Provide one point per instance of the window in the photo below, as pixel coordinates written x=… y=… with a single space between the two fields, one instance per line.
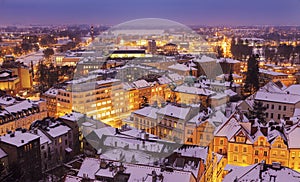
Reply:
x=236 y=148
x=284 y=108
x=255 y=160
x=244 y=149
x=278 y=117
x=271 y=115
x=272 y=107
x=256 y=152
x=267 y=115
x=279 y=107
x=265 y=153
x=59 y=140
x=267 y=106
x=221 y=142
x=279 y=145
x=244 y=159
x=261 y=143
x=293 y=154
x=190 y=140
x=235 y=158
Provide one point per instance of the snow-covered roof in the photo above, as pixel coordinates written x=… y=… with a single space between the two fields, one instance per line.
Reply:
x=4 y=74
x=58 y=130
x=175 y=77
x=230 y=93
x=7 y=100
x=70 y=178
x=217 y=117
x=255 y=173
x=148 y=112
x=51 y=92
x=194 y=152
x=174 y=111
x=33 y=57
x=226 y=76
x=23 y=105
x=293 y=89
x=271 y=87
x=91 y=168
x=227 y=60
x=181 y=67
x=18 y=138
x=164 y=80
x=74 y=116
x=270 y=72
x=219 y=96
x=228 y=128
x=141 y=84
x=204 y=59
x=233 y=125
x=193 y=90
x=293 y=137
x=277 y=97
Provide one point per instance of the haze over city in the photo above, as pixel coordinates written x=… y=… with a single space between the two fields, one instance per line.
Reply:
x=189 y=12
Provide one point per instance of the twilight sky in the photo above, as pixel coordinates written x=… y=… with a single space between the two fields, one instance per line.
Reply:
x=200 y=12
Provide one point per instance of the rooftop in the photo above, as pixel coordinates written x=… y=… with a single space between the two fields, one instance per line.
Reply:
x=193 y=90
x=277 y=97
x=18 y=138
x=261 y=172
x=56 y=130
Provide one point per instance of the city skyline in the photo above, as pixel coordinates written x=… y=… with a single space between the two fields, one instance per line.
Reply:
x=191 y=12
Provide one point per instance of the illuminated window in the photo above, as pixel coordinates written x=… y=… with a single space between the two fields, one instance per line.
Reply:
x=265 y=153
x=244 y=159
x=59 y=140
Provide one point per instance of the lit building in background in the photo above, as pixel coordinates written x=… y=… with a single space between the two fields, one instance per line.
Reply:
x=152 y=46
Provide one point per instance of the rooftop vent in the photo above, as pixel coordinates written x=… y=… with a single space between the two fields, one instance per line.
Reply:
x=276 y=165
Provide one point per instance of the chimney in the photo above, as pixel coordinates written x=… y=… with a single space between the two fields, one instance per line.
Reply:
x=22 y=141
